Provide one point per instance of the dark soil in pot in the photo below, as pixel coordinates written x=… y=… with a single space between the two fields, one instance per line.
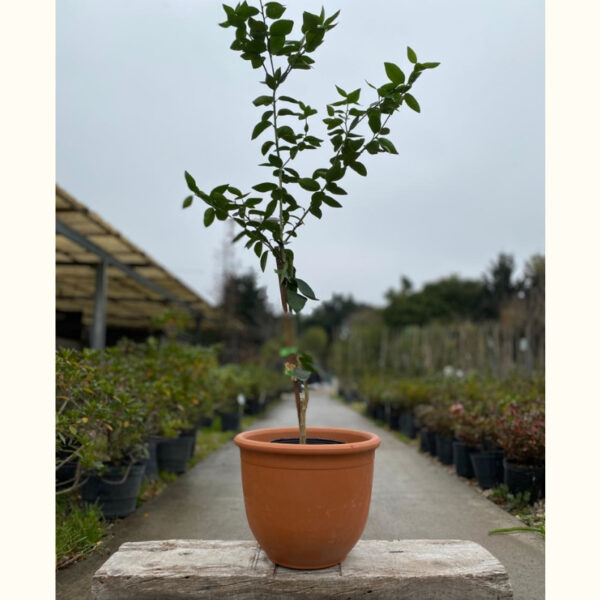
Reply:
x=173 y=454
x=525 y=478
x=461 y=457
x=309 y=441
x=488 y=468
x=115 y=491
x=230 y=421
x=443 y=447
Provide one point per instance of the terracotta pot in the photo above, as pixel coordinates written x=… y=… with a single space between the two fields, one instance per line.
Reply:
x=307 y=505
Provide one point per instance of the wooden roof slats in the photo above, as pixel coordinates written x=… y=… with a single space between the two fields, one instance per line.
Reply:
x=138 y=287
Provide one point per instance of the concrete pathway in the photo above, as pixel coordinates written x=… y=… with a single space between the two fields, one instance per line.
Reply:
x=414 y=497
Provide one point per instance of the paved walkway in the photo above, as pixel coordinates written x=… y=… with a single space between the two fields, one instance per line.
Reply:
x=413 y=498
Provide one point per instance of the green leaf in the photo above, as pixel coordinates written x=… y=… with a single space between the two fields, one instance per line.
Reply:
x=430 y=65
x=306 y=361
x=267 y=186
x=263 y=101
x=265 y=147
x=191 y=183
x=315 y=210
x=295 y=301
x=287 y=351
x=286 y=133
x=335 y=189
x=336 y=172
x=374 y=118
x=305 y=289
x=331 y=201
x=353 y=96
x=289 y=99
x=282 y=27
x=359 y=168
x=341 y=92
x=411 y=55
x=388 y=146
x=260 y=128
x=209 y=216
x=372 y=147
x=411 y=101
x=188 y=201
x=276 y=44
x=309 y=21
x=258 y=249
x=263 y=260
x=394 y=73
x=270 y=208
x=274 y=10
x=309 y=184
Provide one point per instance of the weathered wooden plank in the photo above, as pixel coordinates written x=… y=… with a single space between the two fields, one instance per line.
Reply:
x=375 y=569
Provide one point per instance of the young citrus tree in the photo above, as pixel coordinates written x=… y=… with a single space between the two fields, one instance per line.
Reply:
x=272 y=214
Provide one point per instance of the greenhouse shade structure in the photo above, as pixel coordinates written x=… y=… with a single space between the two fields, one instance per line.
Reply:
x=108 y=280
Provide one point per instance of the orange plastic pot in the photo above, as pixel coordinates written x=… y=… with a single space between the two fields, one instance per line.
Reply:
x=307 y=505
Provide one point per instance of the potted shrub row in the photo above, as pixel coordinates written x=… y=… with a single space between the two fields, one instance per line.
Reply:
x=133 y=410
x=492 y=430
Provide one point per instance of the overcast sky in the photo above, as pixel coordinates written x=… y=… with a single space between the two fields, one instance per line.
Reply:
x=147 y=89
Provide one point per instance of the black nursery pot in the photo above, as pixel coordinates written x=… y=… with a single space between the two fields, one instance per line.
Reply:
x=252 y=406
x=431 y=442
x=230 y=421
x=65 y=475
x=204 y=422
x=116 y=496
x=173 y=454
x=461 y=458
x=525 y=478
x=443 y=446
x=151 y=472
x=423 y=440
x=407 y=425
x=191 y=433
x=488 y=468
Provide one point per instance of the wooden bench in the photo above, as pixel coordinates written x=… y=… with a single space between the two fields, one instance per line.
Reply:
x=375 y=569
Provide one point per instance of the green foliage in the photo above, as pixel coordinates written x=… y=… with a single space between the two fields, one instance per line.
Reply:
x=270 y=222
x=508 y=413
x=78 y=530
x=108 y=403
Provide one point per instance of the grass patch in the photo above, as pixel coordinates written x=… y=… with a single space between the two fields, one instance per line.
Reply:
x=79 y=530
x=359 y=407
x=402 y=437
x=207 y=441
x=533 y=516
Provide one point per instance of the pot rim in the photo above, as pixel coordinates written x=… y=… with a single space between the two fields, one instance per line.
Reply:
x=251 y=440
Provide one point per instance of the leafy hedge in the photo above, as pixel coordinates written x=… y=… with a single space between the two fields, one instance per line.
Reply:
x=109 y=403
x=504 y=413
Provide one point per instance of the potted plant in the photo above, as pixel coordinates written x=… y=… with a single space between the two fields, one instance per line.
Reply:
x=487 y=457
x=521 y=433
x=306 y=489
